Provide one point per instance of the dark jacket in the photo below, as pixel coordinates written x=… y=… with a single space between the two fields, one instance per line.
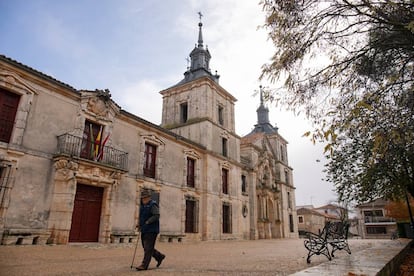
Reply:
x=149 y=217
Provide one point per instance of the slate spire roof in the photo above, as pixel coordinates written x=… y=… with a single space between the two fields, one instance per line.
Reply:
x=200 y=60
x=263 y=124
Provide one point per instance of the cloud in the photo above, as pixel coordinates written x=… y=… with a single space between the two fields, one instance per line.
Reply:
x=58 y=37
x=142 y=99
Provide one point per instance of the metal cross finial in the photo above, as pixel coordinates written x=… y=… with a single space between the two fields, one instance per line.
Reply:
x=261 y=94
x=200 y=15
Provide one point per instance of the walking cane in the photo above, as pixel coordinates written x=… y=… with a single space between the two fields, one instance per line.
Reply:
x=135 y=251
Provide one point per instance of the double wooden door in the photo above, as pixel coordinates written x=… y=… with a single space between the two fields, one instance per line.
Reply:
x=86 y=215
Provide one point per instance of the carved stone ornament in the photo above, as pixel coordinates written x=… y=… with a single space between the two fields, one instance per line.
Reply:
x=97 y=106
x=192 y=154
x=66 y=164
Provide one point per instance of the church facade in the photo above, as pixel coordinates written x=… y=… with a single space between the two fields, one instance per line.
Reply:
x=73 y=163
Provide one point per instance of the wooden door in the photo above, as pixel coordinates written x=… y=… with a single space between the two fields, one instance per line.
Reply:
x=86 y=214
x=190 y=216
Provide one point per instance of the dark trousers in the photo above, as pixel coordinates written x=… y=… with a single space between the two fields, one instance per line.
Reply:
x=148 y=243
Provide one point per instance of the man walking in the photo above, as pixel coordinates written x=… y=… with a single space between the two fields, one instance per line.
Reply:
x=149 y=224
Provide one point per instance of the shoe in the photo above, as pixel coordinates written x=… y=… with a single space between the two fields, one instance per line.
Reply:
x=141 y=268
x=160 y=260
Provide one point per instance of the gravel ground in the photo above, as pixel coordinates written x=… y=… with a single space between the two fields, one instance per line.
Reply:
x=260 y=257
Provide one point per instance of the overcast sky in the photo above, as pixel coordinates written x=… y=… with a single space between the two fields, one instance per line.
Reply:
x=136 y=48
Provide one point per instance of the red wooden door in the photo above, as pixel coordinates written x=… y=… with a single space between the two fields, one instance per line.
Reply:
x=86 y=214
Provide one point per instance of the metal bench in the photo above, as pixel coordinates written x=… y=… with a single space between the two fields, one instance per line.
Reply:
x=338 y=236
x=334 y=234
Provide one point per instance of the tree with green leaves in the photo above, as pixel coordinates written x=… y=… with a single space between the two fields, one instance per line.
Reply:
x=349 y=66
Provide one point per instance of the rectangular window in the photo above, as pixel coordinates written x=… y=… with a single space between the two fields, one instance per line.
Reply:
x=150 y=158
x=191 y=216
x=376 y=230
x=243 y=184
x=289 y=198
x=5 y=183
x=374 y=213
x=300 y=219
x=224 y=181
x=190 y=172
x=226 y=218
x=91 y=140
x=287 y=177
x=220 y=115
x=8 y=109
x=224 y=146
x=183 y=112
x=291 y=227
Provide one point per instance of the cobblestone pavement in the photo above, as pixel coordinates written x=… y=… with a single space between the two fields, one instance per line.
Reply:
x=260 y=257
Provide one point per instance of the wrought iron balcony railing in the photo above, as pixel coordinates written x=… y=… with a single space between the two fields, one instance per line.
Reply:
x=92 y=150
x=378 y=219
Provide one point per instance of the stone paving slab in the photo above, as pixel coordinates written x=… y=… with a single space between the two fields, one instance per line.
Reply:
x=373 y=261
x=259 y=257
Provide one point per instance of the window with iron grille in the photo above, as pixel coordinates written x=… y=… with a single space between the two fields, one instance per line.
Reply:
x=8 y=109
x=5 y=183
x=191 y=216
x=190 y=172
x=150 y=158
x=226 y=218
x=224 y=180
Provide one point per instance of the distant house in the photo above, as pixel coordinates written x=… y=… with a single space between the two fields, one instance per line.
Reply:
x=310 y=220
x=333 y=210
x=374 y=220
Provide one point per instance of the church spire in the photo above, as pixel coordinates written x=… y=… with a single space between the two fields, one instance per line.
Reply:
x=262 y=111
x=199 y=60
x=263 y=124
x=261 y=95
x=200 y=32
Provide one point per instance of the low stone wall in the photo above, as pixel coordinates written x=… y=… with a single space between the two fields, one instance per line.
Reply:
x=24 y=237
x=171 y=237
x=124 y=237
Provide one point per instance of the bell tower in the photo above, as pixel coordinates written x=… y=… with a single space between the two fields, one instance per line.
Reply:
x=199 y=109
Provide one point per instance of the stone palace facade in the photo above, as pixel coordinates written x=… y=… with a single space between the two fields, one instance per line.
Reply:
x=73 y=163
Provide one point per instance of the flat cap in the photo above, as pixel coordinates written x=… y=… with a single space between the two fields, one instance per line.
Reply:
x=145 y=193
